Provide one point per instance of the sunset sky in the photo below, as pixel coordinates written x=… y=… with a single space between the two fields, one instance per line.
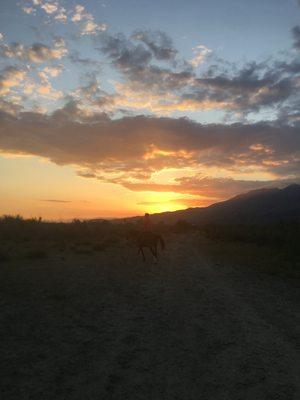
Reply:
x=113 y=108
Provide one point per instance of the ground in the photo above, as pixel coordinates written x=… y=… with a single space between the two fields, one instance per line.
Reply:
x=104 y=325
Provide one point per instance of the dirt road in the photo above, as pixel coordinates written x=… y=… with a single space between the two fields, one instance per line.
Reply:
x=107 y=326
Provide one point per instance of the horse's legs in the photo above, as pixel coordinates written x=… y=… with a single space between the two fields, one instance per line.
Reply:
x=155 y=247
x=142 y=251
x=154 y=252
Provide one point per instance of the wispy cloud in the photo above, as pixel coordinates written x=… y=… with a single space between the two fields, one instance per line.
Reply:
x=86 y=21
x=11 y=77
x=177 y=85
x=51 y=8
x=36 y=53
x=28 y=10
x=200 y=53
x=56 y=201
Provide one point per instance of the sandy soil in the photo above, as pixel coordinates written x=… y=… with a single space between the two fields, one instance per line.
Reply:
x=106 y=326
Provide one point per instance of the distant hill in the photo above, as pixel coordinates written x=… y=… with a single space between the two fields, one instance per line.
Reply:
x=257 y=206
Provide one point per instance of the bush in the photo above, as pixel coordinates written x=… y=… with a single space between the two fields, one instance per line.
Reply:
x=183 y=227
x=36 y=254
x=4 y=257
x=99 y=247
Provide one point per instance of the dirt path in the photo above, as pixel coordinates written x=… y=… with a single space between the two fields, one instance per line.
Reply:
x=106 y=326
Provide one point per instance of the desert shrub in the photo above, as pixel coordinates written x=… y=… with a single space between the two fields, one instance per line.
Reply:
x=281 y=234
x=82 y=251
x=108 y=241
x=36 y=254
x=274 y=245
x=99 y=247
x=268 y=259
x=19 y=230
x=4 y=257
x=182 y=227
x=82 y=243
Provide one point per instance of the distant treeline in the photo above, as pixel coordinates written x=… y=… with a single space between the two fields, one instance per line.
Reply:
x=18 y=228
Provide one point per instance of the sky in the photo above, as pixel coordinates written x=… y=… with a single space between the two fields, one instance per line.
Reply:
x=113 y=108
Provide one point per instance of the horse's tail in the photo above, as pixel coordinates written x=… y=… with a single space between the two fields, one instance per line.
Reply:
x=162 y=242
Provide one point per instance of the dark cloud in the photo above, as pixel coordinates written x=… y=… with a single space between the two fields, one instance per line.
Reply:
x=253 y=87
x=288 y=67
x=9 y=107
x=221 y=188
x=75 y=58
x=250 y=88
x=90 y=96
x=207 y=188
x=290 y=114
x=57 y=201
x=125 y=54
x=135 y=147
x=72 y=111
x=296 y=35
x=160 y=44
x=134 y=60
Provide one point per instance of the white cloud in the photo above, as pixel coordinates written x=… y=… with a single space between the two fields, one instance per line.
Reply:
x=47 y=91
x=88 y=25
x=200 y=53
x=50 y=8
x=28 y=10
x=38 y=90
x=61 y=16
x=50 y=72
x=79 y=13
x=1 y=36
x=37 y=53
x=53 y=70
x=91 y=28
x=11 y=77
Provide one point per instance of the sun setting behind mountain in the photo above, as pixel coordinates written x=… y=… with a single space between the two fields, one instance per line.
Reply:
x=115 y=109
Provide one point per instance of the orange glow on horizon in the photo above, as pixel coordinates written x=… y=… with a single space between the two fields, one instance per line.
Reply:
x=35 y=187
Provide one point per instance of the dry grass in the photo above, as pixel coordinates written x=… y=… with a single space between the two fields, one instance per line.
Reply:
x=269 y=259
x=105 y=325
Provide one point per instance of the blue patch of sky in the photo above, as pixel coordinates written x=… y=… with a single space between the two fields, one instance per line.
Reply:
x=236 y=30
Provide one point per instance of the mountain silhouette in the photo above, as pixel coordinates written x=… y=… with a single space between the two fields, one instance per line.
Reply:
x=254 y=207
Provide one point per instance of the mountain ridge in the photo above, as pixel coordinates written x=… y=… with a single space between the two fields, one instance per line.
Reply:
x=264 y=205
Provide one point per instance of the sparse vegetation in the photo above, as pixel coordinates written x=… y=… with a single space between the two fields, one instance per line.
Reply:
x=280 y=234
x=4 y=257
x=34 y=238
x=36 y=254
x=271 y=248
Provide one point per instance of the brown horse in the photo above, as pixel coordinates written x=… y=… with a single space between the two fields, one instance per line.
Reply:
x=149 y=240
